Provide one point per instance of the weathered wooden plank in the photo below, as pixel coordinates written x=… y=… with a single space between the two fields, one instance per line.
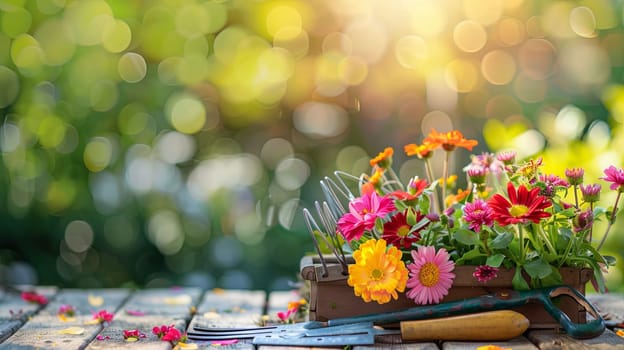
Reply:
x=611 y=306
x=518 y=343
x=14 y=311
x=147 y=309
x=547 y=340
x=232 y=308
x=173 y=302
x=394 y=342
x=43 y=331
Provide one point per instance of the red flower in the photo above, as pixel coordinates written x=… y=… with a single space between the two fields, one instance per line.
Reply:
x=34 y=297
x=160 y=331
x=103 y=316
x=521 y=207
x=397 y=231
x=169 y=333
x=133 y=334
x=173 y=335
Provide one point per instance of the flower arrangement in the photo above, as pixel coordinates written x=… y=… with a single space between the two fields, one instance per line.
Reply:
x=409 y=238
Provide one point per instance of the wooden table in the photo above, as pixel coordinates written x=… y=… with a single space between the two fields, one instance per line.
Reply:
x=29 y=326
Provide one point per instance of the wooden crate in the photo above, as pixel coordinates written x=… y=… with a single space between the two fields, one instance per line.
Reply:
x=331 y=297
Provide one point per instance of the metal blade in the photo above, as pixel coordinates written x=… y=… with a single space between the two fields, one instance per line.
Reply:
x=291 y=331
x=336 y=340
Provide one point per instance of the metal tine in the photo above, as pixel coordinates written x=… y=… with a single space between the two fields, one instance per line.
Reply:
x=331 y=197
x=328 y=212
x=329 y=223
x=333 y=233
x=309 y=221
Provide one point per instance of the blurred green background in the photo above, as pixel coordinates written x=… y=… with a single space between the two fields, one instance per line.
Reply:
x=149 y=143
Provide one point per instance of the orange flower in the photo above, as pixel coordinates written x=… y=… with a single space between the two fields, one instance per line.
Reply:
x=423 y=151
x=377 y=176
x=456 y=198
x=449 y=140
x=373 y=181
x=383 y=159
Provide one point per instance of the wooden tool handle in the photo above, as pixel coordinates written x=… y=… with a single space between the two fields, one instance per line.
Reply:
x=483 y=326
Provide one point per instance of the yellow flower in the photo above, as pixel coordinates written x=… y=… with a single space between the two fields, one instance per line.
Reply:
x=377 y=274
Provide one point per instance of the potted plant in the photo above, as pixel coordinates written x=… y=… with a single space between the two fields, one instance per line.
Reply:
x=513 y=226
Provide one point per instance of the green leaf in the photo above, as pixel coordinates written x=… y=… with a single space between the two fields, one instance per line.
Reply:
x=466 y=237
x=599 y=279
x=518 y=281
x=472 y=254
x=553 y=279
x=379 y=225
x=568 y=213
x=566 y=232
x=424 y=204
x=495 y=260
x=411 y=217
x=538 y=268
x=502 y=240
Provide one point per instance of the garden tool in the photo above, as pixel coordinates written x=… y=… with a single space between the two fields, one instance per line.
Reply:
x=485 y=326
x=497 y=301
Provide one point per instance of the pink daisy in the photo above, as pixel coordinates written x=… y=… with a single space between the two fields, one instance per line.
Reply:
x=477 y=214
x=363 y=212
x=430 y=274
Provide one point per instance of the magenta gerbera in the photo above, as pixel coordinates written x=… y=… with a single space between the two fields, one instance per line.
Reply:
x=363 y=212
x=616 y=177
x=478 y=214
x=430 y=275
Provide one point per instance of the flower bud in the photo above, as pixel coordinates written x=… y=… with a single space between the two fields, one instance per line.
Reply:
x=575 y=176
x=507 y=157
x=477 y=174
x=591 y=193
x=583 y=221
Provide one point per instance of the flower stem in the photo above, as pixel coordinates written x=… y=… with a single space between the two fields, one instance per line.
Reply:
x=546 y=240
x=576 y=202
x=430 y=177
x=395 y=178
x=611 y=221
x=521 y=242
x=445 y=177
